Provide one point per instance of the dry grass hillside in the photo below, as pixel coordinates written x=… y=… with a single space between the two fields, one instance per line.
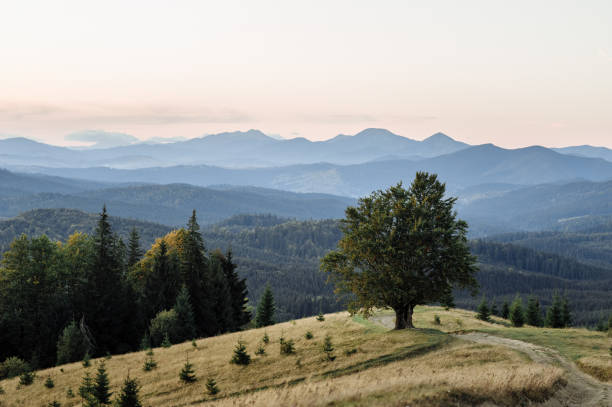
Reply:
x=372 y=366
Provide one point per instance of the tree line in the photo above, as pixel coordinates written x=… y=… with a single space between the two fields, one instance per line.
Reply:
x=98 y=294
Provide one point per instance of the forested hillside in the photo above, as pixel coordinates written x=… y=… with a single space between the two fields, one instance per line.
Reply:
x=286 y=253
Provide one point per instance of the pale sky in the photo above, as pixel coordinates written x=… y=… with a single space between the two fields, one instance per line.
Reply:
x=514 y=73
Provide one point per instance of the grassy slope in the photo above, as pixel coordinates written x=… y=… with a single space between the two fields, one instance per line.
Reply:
x=422 y=367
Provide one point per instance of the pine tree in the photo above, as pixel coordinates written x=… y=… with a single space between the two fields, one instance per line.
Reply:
x=129 y=394
x=517 y=316
x=101 y=389
x=265 y=309
x=494 y=310
x=211 y=386
x=134 y=251
x=533 y=312
x=187 y=374
x=222 y=299
x=86 y=360
x=566 y=315
x=554 y=317
x=483 y=310
x=166 y=342
x=241 y=356
x=328 y=348
x=505 y=311
x=184 y=316
x=49 y=384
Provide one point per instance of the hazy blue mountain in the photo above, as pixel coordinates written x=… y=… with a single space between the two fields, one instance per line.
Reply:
x=587 y=151
x=232 y=149
x=172 y=204
x=478 y=165
x=572 y=206
x=15 y=184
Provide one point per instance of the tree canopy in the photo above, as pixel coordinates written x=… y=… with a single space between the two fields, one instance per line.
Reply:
x=401 y=248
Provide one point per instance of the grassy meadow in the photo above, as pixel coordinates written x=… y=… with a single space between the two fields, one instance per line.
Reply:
x=372 y=366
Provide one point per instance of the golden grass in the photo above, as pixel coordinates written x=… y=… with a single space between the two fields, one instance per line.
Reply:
x=590 y=350
x=462 y=372
x=387 y=367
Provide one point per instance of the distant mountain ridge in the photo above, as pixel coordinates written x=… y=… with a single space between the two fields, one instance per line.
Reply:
x=477 y=165
x=251 y=148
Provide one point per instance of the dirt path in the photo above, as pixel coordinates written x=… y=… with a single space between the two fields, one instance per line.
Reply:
x=581 y=389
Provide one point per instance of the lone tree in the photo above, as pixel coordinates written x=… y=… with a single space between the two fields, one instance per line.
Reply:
x=401 y=248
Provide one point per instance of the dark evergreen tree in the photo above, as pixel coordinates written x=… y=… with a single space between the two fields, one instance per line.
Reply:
x=222 y=297
x=494 y=310
x=483 y=310
x=533 y=316
x=517 y=316
x=328 y=348
x=107 y=315
x=101 y=389
x=505 y=311
x=134 y=251
x=161 y=284
x=554 y=317
x=195 y=274
x=185 y=324
x=265 y=309
x=566 y=314
x=238 y=291
x=129 y=394
x=448 y=300
x=86 y=388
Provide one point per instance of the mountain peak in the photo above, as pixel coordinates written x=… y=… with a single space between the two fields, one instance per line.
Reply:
x=439 y=136
x=375 y=132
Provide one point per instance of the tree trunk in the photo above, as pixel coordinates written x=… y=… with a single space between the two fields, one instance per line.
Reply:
x=403 y=317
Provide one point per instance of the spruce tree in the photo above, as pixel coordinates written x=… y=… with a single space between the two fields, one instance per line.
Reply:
x=222 y=298
x=265 y=309
x=161 y=284
x=238 y=291
x=196 y=275
x=187 y=374
x=566 y=315
x=517 y=316
x=241 y=356
x=184 y=316
x=211 y=386
x=129 y=394
x=328 y=348
x=49 y=384
x=87 y=387
x=134 y=251
x=554 y=317
x=483 y=310
x=494 y=310
x=505 y=311
x=533 y=312
x=448 y=301
x=101 y=388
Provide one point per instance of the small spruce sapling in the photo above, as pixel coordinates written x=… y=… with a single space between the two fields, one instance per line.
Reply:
x=26 y=378
x=54 y=403
x=129 y=394
x=287 y=347
x=483 y=310
x=308 y=335
x=166 y=342
x=320 y=317
x=86 y=360
x=211 y=386
x=241 y=356
x=266 y=338
x=437 y=319
x=49 y=383
x=328 y=348
x=187 y=374
x=261 y=350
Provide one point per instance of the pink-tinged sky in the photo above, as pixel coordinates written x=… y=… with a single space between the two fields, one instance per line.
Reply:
x=512 y=73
